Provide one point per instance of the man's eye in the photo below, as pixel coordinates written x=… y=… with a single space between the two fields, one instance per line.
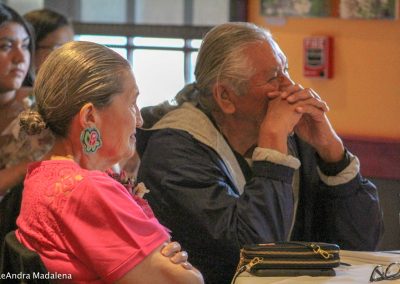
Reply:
x=272 y=79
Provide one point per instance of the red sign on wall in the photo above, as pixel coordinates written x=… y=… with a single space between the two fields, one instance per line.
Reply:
x=318 y=53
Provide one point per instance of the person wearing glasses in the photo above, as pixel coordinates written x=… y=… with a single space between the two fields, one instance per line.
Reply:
x=247 y=155
x=52 y=30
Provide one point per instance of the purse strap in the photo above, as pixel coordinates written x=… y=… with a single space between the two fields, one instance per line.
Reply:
x=246 y=267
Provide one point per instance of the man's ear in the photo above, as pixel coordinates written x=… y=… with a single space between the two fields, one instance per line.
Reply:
x=222 y=95
x=88 y=115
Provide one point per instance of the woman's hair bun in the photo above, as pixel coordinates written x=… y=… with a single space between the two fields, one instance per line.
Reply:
x=31 y=122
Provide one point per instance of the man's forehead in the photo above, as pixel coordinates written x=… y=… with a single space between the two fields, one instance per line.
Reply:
x=278 y=51
x=267 y=55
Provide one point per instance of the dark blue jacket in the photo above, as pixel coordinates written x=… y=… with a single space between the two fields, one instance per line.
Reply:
x=192 y=193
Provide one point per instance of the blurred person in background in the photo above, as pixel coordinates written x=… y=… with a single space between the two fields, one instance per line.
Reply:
x=51 y=30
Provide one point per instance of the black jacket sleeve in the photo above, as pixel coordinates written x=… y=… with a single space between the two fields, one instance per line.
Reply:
x=348 y=214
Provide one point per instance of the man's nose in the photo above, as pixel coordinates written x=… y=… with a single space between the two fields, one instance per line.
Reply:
x=139 y=120
x=285 y=81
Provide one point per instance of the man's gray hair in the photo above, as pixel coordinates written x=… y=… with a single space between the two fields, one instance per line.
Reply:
x=220 y=59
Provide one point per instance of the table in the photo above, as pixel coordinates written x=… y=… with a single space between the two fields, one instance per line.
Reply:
x=362 y=264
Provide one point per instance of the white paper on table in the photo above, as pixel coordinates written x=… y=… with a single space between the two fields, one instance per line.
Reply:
x=373 y=257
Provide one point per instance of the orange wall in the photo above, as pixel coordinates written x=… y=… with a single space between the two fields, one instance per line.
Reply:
x=364 y=93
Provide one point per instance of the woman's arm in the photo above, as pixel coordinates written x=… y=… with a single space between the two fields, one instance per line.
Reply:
x=10 y=177
x=163 y=265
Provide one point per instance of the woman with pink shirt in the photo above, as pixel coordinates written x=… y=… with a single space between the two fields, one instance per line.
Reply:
x=75 y=216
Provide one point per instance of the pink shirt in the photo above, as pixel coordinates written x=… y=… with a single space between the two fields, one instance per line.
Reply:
x=84 y=222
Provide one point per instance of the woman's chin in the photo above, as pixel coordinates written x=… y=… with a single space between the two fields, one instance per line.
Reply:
x=129 y=154
x=123 y=155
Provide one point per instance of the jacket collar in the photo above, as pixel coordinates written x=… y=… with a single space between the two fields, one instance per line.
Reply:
x=192 y=120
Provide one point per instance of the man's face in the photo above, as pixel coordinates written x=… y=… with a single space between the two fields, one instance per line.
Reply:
x=270 y=73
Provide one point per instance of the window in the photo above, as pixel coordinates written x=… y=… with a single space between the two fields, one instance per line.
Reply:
x=162 y=66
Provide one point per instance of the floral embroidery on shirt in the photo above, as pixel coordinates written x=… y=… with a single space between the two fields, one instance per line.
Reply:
x=129 y=183
x=137 y=191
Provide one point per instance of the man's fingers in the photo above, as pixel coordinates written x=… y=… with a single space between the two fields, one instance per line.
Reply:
x=300 y=95
x=314 y=112
x=291 y=90
x=315 y=94
x=273 y=95
x=318 y=104
x=307 y=99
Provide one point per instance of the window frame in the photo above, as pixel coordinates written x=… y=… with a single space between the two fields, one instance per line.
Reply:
x=187 y=33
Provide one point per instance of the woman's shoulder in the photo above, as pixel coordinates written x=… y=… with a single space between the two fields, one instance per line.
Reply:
x=102 y=184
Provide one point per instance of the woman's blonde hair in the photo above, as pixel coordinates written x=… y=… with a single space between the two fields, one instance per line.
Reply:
x=73 y=75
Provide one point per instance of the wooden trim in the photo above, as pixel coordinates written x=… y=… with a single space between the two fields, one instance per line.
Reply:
x=380 y=158
x=188 y=32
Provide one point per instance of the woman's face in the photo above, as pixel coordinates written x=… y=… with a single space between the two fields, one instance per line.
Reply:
x=119 y=121
x=50 y=42
x=14 y=56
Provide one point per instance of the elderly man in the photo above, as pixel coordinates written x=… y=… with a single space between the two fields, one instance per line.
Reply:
x=249 y=156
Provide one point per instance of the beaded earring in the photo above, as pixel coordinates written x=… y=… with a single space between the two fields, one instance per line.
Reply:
x=91 y=140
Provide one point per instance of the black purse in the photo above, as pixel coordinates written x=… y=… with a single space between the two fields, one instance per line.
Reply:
x=289 y=259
